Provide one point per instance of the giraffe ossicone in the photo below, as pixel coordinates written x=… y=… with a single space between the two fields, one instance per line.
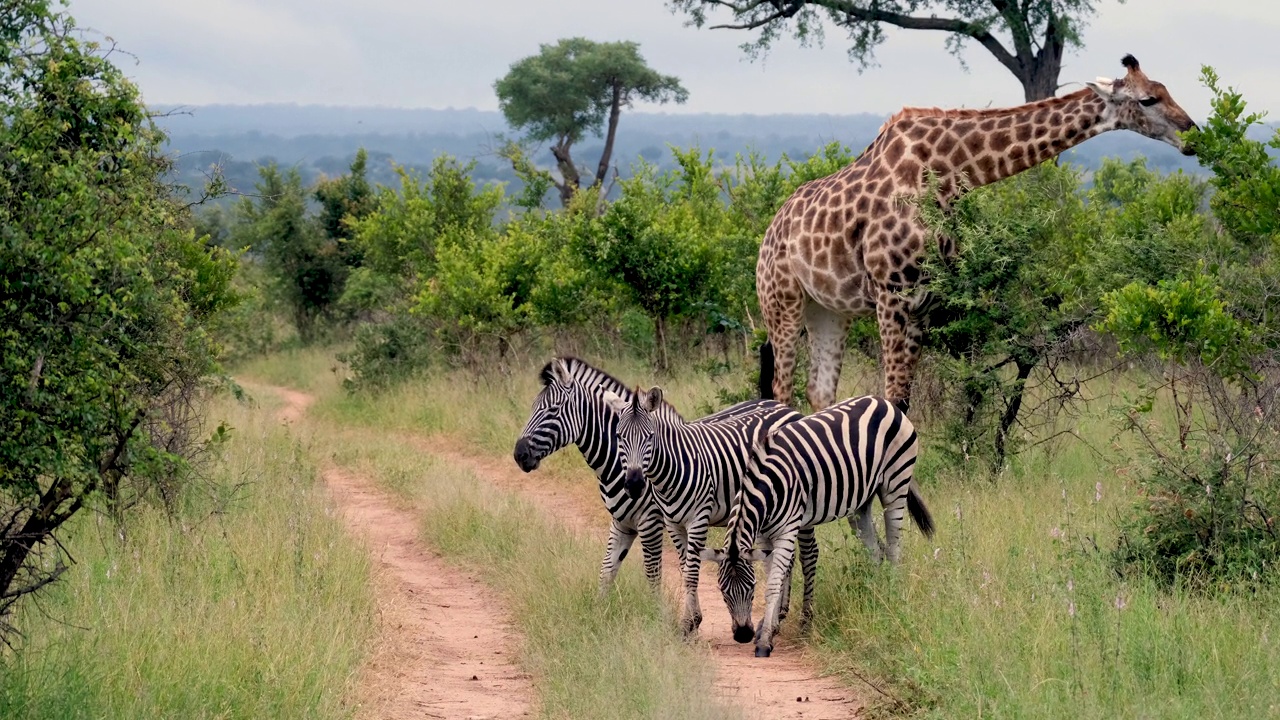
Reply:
x=845 y=246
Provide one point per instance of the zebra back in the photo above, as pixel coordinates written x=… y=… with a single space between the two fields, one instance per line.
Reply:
x=823 y=467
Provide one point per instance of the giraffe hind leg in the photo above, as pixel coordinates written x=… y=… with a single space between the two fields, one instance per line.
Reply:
x=827 y=333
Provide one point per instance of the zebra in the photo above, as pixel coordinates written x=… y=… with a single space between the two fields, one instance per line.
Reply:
x=694 y=471
x=815 y=470
x=570 y=410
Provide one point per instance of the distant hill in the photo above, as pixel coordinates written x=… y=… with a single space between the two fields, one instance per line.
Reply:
x=322 y=139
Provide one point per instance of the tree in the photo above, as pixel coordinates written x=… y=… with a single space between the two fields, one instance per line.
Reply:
x=306 y=265
x=107 y=298
x=1027 y=37
x=343 y=201
x=570 y=90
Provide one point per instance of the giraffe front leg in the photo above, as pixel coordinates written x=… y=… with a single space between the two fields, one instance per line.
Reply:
x=827 y=333
x=696 y=539
x=779 y=562
x=620 y=540
x=900 y=339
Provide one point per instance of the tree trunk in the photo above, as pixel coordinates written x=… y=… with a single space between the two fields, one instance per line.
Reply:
x=660 y=325
x=1010 y=415
x=615 y=110
x=568 y=171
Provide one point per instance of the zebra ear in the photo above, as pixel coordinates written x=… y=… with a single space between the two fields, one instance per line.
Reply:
x=759 y=555
x=560 y=371
x=712 y=555
x=614 y=401
x=651 y=400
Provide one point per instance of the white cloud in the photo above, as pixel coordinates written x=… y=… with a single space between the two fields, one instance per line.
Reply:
x=407 y=53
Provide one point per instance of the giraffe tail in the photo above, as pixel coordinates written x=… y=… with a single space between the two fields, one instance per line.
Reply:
x=766 y=371
x=919 y=512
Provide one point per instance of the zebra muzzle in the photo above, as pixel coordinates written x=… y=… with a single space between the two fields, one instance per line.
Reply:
x=633 y=483
x=524 y=456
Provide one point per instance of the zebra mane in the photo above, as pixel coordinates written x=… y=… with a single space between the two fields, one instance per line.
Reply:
x=579 y=368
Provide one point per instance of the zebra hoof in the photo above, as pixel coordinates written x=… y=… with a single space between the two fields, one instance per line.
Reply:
x=763 y=651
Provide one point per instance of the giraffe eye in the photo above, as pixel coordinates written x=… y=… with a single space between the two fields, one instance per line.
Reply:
x=1149 y=101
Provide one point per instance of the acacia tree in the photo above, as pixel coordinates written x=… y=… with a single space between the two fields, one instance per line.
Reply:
x=107 y=298
x=571 y=90
x=1027 y=37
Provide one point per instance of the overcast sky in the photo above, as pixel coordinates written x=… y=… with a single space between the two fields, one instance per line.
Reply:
x=440 y=54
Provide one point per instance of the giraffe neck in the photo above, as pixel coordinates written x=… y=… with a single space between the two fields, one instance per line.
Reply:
x=1000 y=144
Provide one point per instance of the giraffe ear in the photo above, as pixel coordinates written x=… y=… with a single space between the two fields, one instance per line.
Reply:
x=1102 y=86
x=651 y=400
x=615 y=401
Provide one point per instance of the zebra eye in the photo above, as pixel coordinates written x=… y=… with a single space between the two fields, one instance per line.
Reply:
x=1149 y=101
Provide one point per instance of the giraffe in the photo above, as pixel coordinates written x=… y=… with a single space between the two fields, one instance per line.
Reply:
x=847 y=245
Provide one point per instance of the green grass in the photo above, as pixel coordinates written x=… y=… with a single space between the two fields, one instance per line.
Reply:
x=1017 y=615
x=263 y=610
x=616 y=657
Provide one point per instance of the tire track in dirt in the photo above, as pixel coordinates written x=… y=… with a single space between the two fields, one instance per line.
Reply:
x=447 y=647
x=785 y=685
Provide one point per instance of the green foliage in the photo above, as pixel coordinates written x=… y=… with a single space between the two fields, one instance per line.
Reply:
x=1006 y=300
x=343 y=201
x=1181 y=321
x=1246 y=180
x=306 y=266
x=1207 y=517
x=107 y=299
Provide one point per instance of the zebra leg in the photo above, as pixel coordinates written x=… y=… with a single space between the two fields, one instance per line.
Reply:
x=894 y=509
x=679 y=539
x=784 y=605
x=620 y=539
x=779 y=561
x=651 y=526
x=650 y=541
x=809 y=568
x=865 y=527
x=695 y=539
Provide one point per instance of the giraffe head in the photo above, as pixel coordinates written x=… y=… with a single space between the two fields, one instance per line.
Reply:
x=1138 y=103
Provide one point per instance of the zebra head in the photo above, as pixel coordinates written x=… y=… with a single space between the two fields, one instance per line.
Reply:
x=737 y=581
x=636 y=429
x=554 y=420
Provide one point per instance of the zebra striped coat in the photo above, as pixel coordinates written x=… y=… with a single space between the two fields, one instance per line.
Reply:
x=822 y=468
x=570 y=409
x=694 y=470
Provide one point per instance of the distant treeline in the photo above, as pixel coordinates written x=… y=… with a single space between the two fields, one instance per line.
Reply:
x=321 y=140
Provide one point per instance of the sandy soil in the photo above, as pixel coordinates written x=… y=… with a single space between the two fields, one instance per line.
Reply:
x=447 y=650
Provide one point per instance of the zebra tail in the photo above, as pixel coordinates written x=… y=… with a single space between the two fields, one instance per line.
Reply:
x=919 y=512
x=766 y=371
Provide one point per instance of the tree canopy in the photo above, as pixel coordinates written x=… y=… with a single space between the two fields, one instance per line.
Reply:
x=571 y=90
x=1027 y=37
x=107 y=298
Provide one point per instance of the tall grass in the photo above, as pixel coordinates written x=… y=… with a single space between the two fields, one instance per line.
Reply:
x=599 y=658
x=263 y=609
x=1011 y=611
